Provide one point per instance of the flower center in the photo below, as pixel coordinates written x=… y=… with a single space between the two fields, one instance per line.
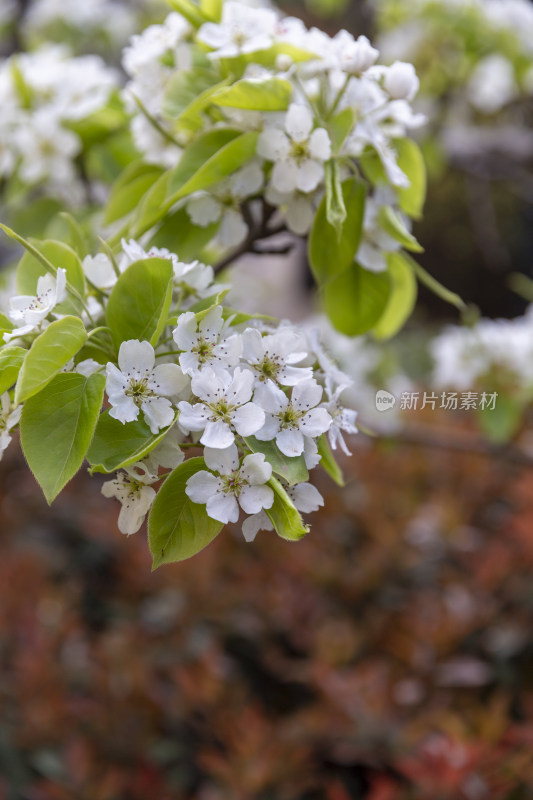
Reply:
x=268 y=368
x=289 y=417
x=138 y=390
x=233 y=484
x=204 y=350
x=299 y=151
x=222 y=410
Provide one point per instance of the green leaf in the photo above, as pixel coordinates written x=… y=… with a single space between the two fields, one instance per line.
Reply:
x=66 y=229
x=335 y=206
x=190 y=11
x=151 y=210
x=212 y=9
x=284 y=515
x=115 y=446
x=188 y=93
x=57 y=426
x=11 y=360
x=501 y=423
x=177 y=527
x=5 y=325
x=292 y=470
x=340 y=126
x=433 y=285
x=270 y=94
x=402 y=297
x=226 y=159
x=329 y=255
x=328 y=462
x=179 y=235
x=129 y=189
x=411 y=161
x=48 y=355
x=393 y=225
x=140 y=300
x=356 y=299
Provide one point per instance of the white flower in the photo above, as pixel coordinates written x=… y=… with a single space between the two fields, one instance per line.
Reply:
x=234 y=486
x=298 y=151
x=34 y=310
x=205 y=343
x=223 y=203
x=140 y=385
x=136 y=496
x=342 y=419
x=272 y=357
x=194 y=277
x=492 y=84
x=401 y=81
x=99 y=271
x=305 y=497
x=167 y=454
x=9 y=417
x=298 y=208
x=376 y=243
x=355 y=56
x=242 y=29
x=46 y=149
x=225 y=405
x=291 y=422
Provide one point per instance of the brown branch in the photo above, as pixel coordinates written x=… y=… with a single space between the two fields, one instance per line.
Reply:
x=257 y=232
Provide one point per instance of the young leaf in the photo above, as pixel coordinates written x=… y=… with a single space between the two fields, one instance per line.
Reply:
x=179 y=235
x=190 y=11
x=57 y=426
x=115 y=446
x=335 y=206
x=129 y=189
x=340 y=126
x=270 y=94
x=411 y=161
x=328 y=462
x=177 y=527
x=293 y=470
x=140 y=300
x=356 y=299
x=393 y=225
x=328 y=255
x=188 y=94
x=11 y=360
x=48 y=355
x=402 y=297
x=284 y=515
x=5 y=325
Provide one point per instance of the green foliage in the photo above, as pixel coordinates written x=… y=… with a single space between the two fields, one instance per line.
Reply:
x=411 y=161
x=402 y=298
x=129 y=189
x=177 y=527
x=328 y=462
x=179 y=235
x=292 y=470
x=272 y=94
x=49 y=353
x=329 y=254
x=57 y=426
x=393 y=225
x=356 y=299
x=139 y=303
x=284 y=515
x=115 y=445
x=11 y=360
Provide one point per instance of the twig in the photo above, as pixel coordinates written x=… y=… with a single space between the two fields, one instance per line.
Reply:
x=256 y=233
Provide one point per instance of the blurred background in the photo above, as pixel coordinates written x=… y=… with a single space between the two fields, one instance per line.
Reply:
x=389 y=654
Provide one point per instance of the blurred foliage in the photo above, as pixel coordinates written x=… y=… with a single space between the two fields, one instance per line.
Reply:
x=387 y=657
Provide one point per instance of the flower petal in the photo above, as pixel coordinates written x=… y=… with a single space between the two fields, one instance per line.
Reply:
x=224 y=461
x=253 y=499
x=218 y=435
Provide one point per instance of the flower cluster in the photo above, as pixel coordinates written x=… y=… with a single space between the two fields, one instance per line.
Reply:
x=44 y=95
x=332 y=102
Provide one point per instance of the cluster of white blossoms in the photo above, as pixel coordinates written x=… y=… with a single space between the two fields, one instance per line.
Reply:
x=221 y=382
x=324 y=78
x=43 y=95
x=110 y=20
x=494 y=353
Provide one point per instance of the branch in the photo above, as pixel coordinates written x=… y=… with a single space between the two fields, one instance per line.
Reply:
x=257 y=232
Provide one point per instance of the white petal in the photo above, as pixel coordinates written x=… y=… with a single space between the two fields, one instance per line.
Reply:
x=253 y=499
x=202 y=486
x=116 y=382
x=204 y=210
x=271 y=398
x=158 y=413
x=124 y=410
x=284 y=176
x=258 y=522
x=134 y=510
x=305 y=497
x=224 y=461
x=310 y=174
x=168 y=379
x=186 y=331
x=255 y=469
x=306 y=395
x=233 y=229
x=298 y=122
x=217 y=434
x=248 y=419
x=193 y=417
x=136 y=356
x=320 y=145
x=273 y=144
x=212 y=324
x=290 y=442
x=315 y=422
x=223 y=507
x=252 y=346
x=269 y=430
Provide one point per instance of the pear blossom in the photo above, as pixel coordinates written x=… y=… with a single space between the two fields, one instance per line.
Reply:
x=291 y=421
x=224 y=407
x=306 y=499
x=133 y=490
x=32 y=311
x=298 y=208
x=376 y=243
x=167 y=454
x=9 y=417
x=298 y=151
x=235 y=485
x=272 y=357
x=99 y=270
x=342 y=419
x=242 y=29
x=355 y=55
x=206 y=343
x=138 y=385
x=222 y=204
x=401 y=81
x=492 y=84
